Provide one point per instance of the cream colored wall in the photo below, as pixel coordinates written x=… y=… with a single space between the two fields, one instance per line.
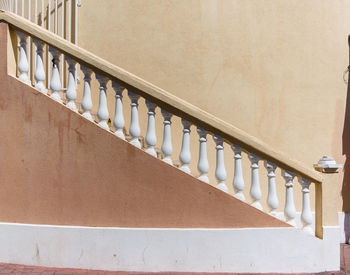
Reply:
x=272 y=68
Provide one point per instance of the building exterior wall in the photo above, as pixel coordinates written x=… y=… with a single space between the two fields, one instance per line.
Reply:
x=273 y=69
x=58 y=168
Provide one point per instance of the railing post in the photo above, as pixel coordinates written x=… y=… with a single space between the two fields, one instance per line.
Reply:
x=55 y=83
x=86 y=103
x=272 y=199
x=306 y=215
x=203 y=164
x=151 y=137
x=238 y=181
x=102 y=112
x=71 y=93
x=23 y=65
x=39 y=73
x=318 y=211
x=220 y=171
x=134 y=129
x=289 y=208
x=255 y=191
x=118 y=121
x=167 y=147
x=185 y=154
x=329 y=167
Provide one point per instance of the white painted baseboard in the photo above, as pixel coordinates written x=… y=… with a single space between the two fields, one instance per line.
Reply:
x=344 y=225
x=341 y=219
x=279 y=250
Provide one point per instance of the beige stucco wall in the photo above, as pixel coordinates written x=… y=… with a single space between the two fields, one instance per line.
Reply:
x=271 y=68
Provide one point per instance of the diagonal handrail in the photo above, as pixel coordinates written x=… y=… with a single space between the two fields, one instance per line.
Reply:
x=163 y=98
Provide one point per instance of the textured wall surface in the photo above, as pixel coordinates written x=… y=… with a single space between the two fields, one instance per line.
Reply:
x=57 y=167
x=271 y=68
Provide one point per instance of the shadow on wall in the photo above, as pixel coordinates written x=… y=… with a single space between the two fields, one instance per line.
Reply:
x=345 y=192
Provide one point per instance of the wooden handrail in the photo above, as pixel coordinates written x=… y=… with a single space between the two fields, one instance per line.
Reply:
x=162 y=98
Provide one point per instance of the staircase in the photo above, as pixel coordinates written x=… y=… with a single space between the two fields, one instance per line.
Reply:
x=79 y=192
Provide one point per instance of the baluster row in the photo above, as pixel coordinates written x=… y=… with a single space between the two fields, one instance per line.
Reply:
x=166 y=147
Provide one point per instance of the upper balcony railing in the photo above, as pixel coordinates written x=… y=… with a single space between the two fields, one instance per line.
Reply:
x=57 y=16
x=170 y=106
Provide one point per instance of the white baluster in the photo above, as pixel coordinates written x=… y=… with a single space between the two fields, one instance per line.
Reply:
x=36 y=12
x=255 y=191
x=203 y=164
x=134 y=130
x=29 y=14
x=29 y=42
x=55 y=83
x=71 y=86
x=118 y=121
x=167 y=147
x=306 y=215
x=62 y=18
x=69 y=20
x=76 y=6
x=185 y=154
x=39 y=68
x=42 y=12
x=151 y=137
x=56 y=26
x=220 y=171
x=86 y=103
x=289 y=208
x=48 y=16
x=23 y=65
x=238 y=181
x=272 y=199
x=102 y=112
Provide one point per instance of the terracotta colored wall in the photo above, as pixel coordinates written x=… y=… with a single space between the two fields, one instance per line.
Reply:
x=271 y=68
x=58 y=168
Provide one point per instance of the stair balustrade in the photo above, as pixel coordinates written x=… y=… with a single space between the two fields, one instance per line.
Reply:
x=134 y=134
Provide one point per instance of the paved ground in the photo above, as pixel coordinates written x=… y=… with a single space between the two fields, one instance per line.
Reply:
x=23 y=269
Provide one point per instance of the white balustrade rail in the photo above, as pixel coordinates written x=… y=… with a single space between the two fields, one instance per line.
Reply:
x=133 y=135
